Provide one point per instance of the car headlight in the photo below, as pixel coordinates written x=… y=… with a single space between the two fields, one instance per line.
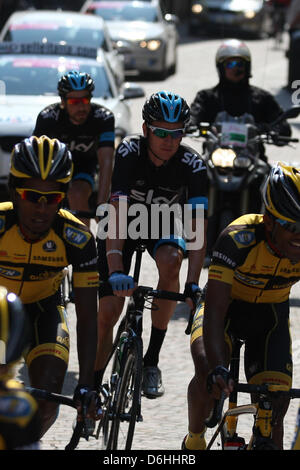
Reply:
x=223 y=158
x=249 y=14
x=152 y=45
x=197 y=9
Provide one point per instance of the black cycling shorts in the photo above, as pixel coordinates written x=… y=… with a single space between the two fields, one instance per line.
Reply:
x=264 y=328
x=49 y=329
x=129 y=247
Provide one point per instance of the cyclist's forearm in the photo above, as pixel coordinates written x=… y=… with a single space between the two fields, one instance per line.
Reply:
x=196 y=257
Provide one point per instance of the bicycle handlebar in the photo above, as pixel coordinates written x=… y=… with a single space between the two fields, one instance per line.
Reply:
x=62 y=400
x=264 y=389
x=159 y=294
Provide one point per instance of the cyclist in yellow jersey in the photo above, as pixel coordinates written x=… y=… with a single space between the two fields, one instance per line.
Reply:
x=19 y=420
x=255 y=262
x=37 y=241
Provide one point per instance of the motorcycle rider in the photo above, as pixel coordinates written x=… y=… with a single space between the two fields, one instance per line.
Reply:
x=234 y=93
x=236 y=96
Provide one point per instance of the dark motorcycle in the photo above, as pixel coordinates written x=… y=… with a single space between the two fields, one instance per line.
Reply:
x=232 y=151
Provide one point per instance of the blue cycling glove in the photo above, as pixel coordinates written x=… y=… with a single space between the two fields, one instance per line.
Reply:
x=120 y=281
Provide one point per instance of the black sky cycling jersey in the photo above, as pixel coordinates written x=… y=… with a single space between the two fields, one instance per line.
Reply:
x=82 y=140
x=33 y=271
x=136 y=178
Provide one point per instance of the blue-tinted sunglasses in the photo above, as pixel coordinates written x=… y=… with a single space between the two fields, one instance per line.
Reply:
x=293 y=227
x=163 y=133
x=235 y=63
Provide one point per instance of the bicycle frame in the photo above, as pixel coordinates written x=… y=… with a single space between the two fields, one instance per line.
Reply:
x=262 y=411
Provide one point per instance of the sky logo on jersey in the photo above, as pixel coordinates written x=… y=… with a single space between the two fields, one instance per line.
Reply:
x=76 y=236
x=243 y=238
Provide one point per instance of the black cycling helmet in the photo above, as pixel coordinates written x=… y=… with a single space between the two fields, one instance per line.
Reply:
x=233 y=48
x=166 y=106
x=14 y=328
x=281 y=193
x=42 y=157
x=75 y=81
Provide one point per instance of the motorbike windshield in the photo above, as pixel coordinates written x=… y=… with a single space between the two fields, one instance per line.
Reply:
x=234 y=130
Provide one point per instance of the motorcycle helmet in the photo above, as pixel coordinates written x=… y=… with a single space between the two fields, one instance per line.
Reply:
x=166 y=106
x=14 y=328
x=75 y=81
x=233 y=48
x=42 y=157
x=281 y=193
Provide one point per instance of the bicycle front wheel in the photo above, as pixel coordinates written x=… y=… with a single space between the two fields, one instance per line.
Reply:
x=128 y=404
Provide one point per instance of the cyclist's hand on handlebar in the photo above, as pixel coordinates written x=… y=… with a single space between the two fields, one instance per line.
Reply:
x=122 y=284
x=87 y=403
x=219 y=381
x=192 y=292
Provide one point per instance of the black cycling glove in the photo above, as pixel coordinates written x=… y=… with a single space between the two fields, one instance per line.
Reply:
x=193 y=291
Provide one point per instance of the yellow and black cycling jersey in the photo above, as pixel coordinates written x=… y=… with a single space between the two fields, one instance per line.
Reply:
x=243 y=258
x=20 y=425
x=33 y=271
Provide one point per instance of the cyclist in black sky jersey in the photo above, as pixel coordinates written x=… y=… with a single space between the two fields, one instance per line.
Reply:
x=151 y=171
x=89 y=131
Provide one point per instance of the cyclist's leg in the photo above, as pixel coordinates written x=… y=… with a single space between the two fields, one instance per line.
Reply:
x=110 y=307
x=168 y=258
x=268 y=356
x=47 y=360
x=200 y=402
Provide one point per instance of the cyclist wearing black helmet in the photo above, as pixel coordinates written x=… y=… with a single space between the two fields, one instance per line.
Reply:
x=255 y=262
x=89 y=131
x=37 y=241
x=153 y=170
x=19 y=420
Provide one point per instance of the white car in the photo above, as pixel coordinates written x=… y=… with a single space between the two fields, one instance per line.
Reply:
x=29 y=74
x=147 y=39
x=64 y=27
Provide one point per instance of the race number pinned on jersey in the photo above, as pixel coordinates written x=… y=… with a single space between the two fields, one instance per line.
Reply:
x=234 y=134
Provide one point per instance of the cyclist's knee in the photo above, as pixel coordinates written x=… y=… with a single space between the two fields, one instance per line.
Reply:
x=110 y=309
x=168 y=260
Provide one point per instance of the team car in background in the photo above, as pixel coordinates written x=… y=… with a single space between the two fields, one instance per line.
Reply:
x=230 y=16
x=147 y=38
x=29 y=74
x=64 y=27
